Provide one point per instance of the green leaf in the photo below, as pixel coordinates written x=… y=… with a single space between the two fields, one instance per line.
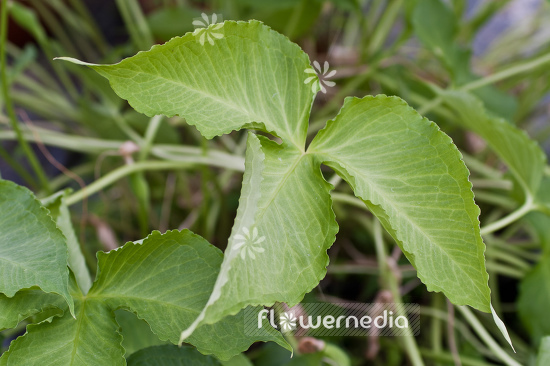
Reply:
x=284 y=226
x=239 y=360
x=411 y=176
x=136 y=333
x=171 y=356
x=434 y=14
x=90 y=339
x=252 y=77
x=26 y=303
x=32 y=249
x=27 y=19
x=60 y=213
x=543 y=357
x=523 y=156
x=166 y=281
x=236 y=82
x=534 y=299
x=136 y=278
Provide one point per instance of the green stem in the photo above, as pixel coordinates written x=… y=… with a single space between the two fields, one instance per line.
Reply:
x=448 y=358
x=17 y=167
x=386 y=273
x=121 y=172
x=486 y=337
x=135 y=23
x=9 y=106
x=436 y=333
x=491 y=79
x=150 y=134
x=507 y=220
x=384 y=26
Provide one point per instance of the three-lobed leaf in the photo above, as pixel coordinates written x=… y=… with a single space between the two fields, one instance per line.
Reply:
x=166 y=281
x=408 y=172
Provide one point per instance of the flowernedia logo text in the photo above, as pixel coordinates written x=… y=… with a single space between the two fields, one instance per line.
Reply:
x=341 y=319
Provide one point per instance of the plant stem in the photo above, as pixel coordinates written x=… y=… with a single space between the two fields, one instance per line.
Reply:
x=486 y=337
x=9 y=106
x=490 y=79
x=448 y=358
x=507 y=220
x=436 y=334
x=150 y=134
x=135 y=23
x=386 y=273
x=121 y=172
x=140 y=166
x=384 y=26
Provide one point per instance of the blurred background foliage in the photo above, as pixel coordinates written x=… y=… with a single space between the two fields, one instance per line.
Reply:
x=82 y=133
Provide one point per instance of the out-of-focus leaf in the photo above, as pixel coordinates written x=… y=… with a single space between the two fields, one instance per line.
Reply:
x=27 y=19
x=534 y=299
x=436 y=24
x=543 y=358
x=170 y=355
x=524 y=157
x=167 y=22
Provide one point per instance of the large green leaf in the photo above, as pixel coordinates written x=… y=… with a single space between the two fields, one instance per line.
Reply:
x=33 y=251
x=236 y=82
x=410 y=175
x=534 y=299
x=284 y=226
x=166 y=281
x=523 y=156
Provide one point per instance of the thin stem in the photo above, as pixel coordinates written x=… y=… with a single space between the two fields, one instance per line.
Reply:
x=387 y=274
x=436 y=333
x=507 y=220
x=9 y=106
x=490 y=79
x=150 y=134
x=148 y=165
x=448 y=358
x=507 y=73
x=486 y=337
x=121 y=172
x=384 y=26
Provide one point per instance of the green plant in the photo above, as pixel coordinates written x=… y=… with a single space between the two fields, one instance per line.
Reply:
x=401 y=167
